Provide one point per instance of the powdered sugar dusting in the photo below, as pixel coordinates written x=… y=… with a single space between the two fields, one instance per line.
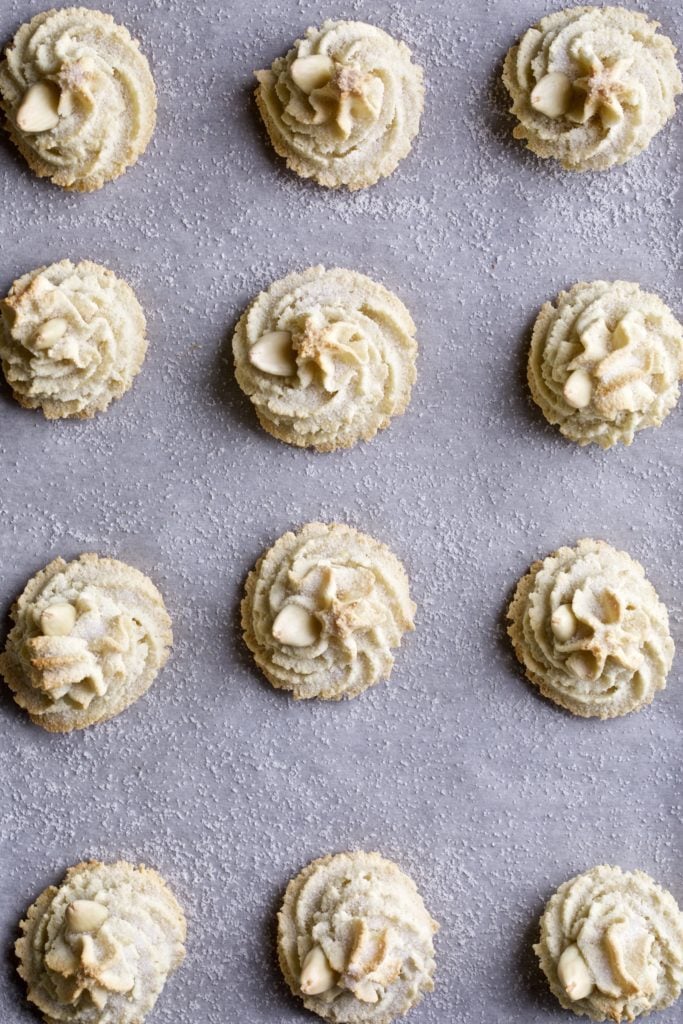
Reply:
x=487 y=795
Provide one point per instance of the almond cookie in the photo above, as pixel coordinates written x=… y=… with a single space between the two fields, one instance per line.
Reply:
x=323 y=609
x=605 y=362
x=88 y=640
x=355 y=940
x=611 y=945
x=591 y=86
x=344 y=105
x=591 y=632
x=327 y=358
x=98 y=948
x=72 y=338
x=78 y=96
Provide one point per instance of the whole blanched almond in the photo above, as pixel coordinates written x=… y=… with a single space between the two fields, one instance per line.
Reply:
x=552 y=94
x=58 y=619
x=574 y=975
x=316 y=974
x=85 y=916
x=273 y=353
x=39 y=108
x=296 y=626
x=578 y=389
x=51 y=331
x=312 y=72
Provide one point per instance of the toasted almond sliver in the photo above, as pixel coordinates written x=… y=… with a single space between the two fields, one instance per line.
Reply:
x=552 y=94
x=273 y=353
x=296 y=627
x=312 y=72
x=39 y=108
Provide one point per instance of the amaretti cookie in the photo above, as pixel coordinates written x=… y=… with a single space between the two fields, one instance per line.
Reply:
x=591 y=86
x=98 y=948
x=355 y=940
x=88 y=640
x=72 y=338
x=590 y=631
x=327 y=358
x=78 y=96
x=605 y=361
x=323 y=609
x=344 y=105
x=611 y=945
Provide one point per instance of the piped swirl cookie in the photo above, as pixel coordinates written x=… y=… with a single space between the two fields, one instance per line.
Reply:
x=322 y=610
x=591 y=86
x=605 y=361
x=98 y=948
x=344 y=105
x=72 y=339
x=327 y=358
x=88 y=640
x=355 y=940
x=590 y=631
x=611 y=945
x=78 y=96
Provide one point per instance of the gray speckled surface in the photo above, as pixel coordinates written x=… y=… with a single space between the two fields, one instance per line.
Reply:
x=488 y=795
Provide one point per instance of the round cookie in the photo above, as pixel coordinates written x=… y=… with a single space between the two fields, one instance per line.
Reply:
x=611 y=945
x=590 y=631
x=605 y=361
x=72 y=338
x=98 y=948
x=327 y=358
x=88 y=640
x=591 y=86
x=79 y=97
x=344 y=105
x=322 y=610
x=355 y=940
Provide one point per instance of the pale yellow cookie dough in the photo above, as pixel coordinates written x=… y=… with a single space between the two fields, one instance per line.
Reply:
x=355 y=940
x=591 y=86
x=89 y=638
x=611 y=945
x=72 y=338
x=590 y=631
x=327 y=358
x=605 y=362
x=344 y=105
x=98 y=948
x=323 y=609
x=78 y=96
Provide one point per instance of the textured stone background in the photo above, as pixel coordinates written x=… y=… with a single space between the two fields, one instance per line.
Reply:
x=488 y=795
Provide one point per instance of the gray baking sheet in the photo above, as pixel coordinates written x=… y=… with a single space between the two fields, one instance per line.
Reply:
x=486 y=794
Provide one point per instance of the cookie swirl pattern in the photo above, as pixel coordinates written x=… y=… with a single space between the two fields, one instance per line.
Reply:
x=605 y=362
x=591 y=86
x=591 y=632
x=322 y=610
x=327 y=358
x=88 y=640
x=355 y=940
x=344 y=105
x=79 y=97
x=100 y=946
x=72 y=339
x=611 y=945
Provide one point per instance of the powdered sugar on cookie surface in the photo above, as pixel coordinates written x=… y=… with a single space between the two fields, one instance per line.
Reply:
x=486 y=795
